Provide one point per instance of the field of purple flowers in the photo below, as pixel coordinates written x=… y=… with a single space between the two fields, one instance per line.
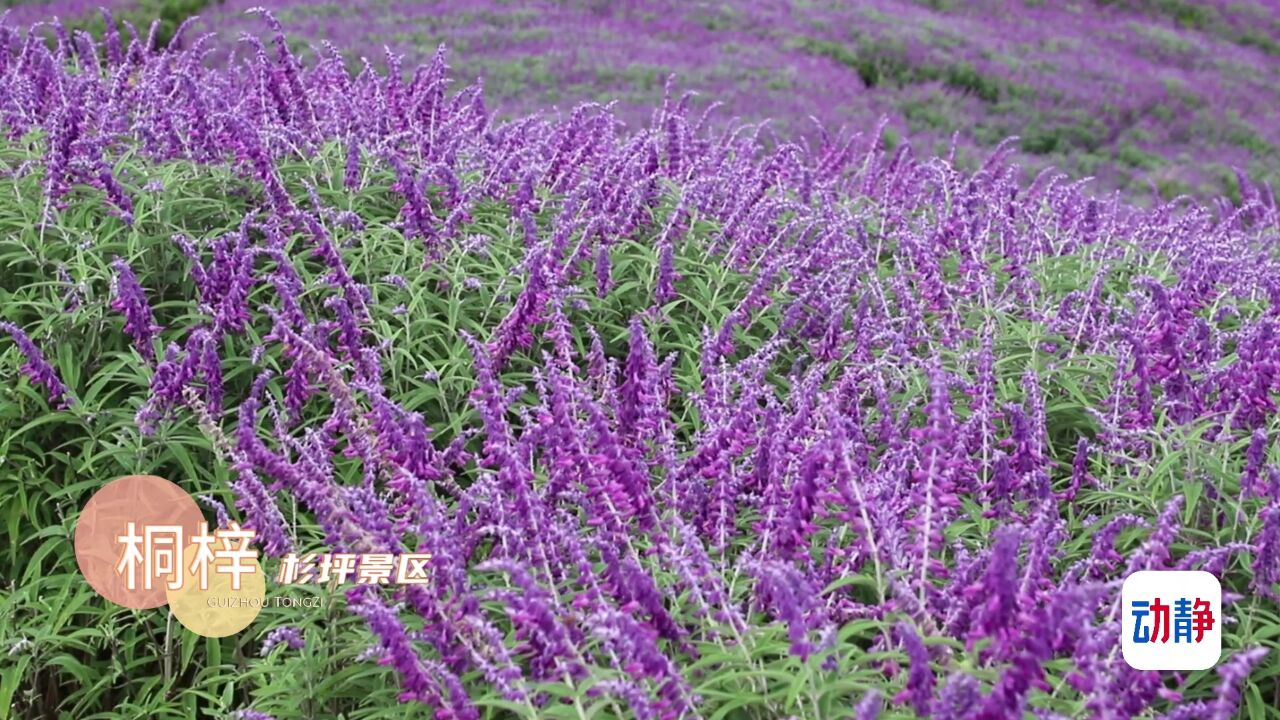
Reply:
x=1154 y=97
x=698 y=419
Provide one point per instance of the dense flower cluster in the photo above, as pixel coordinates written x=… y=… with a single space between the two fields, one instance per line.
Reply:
x=1171 y=94
x=846 y=444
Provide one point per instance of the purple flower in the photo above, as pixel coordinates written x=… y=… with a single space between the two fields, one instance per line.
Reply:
x=131 y=300
x=638 y=393
x=869 y=707
x=1255 y=457
x=958 y=698
x=115 y=192
x=1233 y=673
x=286 y=635
x=787 y=595
x=920 y=679
x=37 y=369
x=261 y=512
x=351 y=178
x=1266 y=563
x=997 y=593
x=219 y=509
x=837 y=418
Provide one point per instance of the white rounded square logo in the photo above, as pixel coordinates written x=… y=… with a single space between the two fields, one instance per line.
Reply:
x=1172 y=620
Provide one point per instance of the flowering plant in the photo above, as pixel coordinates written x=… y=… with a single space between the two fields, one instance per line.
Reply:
x=689 y=425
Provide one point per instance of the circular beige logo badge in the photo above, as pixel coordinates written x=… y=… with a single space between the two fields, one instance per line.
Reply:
x=128 y=507
x=142 y=542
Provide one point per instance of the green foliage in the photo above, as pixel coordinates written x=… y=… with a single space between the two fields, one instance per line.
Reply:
x=1136 y=157
x=1078 y=134
x=72 y=651
x=85 y=657
x=884 y=62
x=1230 y=183
x=68 y=652
x=1253 y=37
x=168 y=14
x=1205 y=17
x=927 y=112
x=1243 y=135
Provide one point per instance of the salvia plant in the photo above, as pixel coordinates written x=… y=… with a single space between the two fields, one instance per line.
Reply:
x=1158 y=97
x=692 y=425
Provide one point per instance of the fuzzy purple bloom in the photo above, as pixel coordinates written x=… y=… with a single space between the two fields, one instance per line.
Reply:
x=37 y=369
x=131 y=300
x=286 y=635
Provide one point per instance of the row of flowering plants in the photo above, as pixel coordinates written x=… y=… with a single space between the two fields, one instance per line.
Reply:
x=692 y=426
x=1155 y=97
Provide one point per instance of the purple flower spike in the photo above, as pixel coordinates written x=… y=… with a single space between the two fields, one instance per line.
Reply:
x=131 y=300
x=1233 y=673
x=286 y=635
x=919 y=690
x=37 y=369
